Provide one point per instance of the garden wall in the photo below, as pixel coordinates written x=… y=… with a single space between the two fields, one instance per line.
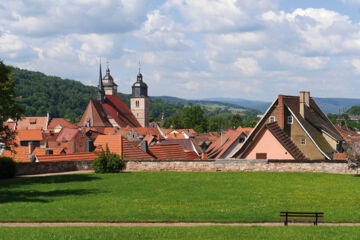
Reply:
x=334 y=166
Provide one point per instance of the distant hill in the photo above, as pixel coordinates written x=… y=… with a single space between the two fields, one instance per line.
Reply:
x=212 y=105
x=328 y=105
x=39 y=94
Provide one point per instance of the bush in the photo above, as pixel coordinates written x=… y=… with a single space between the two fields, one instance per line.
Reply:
x=7 y=167
x=108 y=162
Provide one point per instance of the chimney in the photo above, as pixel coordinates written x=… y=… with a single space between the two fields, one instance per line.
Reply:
x=222 y=138
x=304 y=100
x=144 y=146
x=31 y=147
x=204 y=155
x=47 y=120
x=280 y=117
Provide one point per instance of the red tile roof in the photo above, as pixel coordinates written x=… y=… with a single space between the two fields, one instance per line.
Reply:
x=191 y=155
x=21 y=154
x=120 y=145
x=67 y=157
x=340 y=156
x=54 y=122
x=222 y=144
x=170 y=151
x=154 y=131
x=247 y=130
x=99 y=114
x=31 y=123
x=67 y=134
x=42 y=151
x=347 y=134
x=30 y=135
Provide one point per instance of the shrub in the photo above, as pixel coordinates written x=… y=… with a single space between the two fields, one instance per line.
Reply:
x=108 y=162
x=7 y=167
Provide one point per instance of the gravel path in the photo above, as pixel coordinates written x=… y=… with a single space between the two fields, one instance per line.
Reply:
x=164 y=224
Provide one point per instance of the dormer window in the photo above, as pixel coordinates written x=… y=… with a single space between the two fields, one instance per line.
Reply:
x=290 y=120
x=272 y=119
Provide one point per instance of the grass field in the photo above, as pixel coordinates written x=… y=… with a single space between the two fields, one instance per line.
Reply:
x=180 y=196
x=209 y=233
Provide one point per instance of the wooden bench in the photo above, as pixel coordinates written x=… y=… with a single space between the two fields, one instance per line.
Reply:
x=314 y=217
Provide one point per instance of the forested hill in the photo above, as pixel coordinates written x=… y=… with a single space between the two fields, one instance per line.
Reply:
x=39 y=94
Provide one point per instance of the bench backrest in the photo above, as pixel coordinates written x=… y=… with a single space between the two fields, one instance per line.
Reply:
x=302 y=214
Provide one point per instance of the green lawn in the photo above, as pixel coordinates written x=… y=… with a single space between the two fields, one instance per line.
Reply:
x=180 y=196
x=209 y=233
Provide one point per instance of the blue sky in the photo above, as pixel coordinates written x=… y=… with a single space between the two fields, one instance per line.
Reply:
x=192 y=49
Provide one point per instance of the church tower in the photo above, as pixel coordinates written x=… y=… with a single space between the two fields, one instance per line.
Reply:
x=110 y=87
x=139 y=101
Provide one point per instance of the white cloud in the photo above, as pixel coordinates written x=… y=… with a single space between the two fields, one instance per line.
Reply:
x=248 y=66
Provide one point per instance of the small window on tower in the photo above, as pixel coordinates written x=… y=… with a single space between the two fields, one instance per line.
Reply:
x=137 y=103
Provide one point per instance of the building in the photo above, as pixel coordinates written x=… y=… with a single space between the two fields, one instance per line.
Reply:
x=108 y=110
x=293 y=128
x=139 y=101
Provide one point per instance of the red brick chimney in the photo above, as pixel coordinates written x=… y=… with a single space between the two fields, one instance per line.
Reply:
x=280 y=117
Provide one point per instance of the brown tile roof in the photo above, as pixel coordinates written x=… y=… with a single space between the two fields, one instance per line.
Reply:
x=169 y=151
x=218 y=148
x=29 y=135
x=67 y=157
x=314 y=122
x=285 y=141
x=99 y=114
x=62 y=122
x=120 y=145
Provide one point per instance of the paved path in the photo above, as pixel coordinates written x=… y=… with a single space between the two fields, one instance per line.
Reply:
x=163 y=224
x=55 y=174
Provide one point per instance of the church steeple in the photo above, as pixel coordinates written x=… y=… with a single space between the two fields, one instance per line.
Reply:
x=101 y=92
x=110 y=86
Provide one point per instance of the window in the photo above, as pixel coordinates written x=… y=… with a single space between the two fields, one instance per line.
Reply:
x=137 y=103
x=290 y=120
x=272 y=119
x=303 y=141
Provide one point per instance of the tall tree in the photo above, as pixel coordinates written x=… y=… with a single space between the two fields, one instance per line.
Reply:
x=8 y=106
x=193 y=117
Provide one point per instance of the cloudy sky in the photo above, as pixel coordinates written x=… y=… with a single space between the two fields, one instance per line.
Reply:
x=192 y=49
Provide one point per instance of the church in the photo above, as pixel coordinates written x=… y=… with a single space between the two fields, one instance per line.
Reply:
x=110 y=111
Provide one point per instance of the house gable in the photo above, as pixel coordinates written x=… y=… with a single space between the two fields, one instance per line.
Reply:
x=266 y=143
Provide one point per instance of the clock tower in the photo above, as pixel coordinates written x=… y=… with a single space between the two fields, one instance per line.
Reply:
x=139 y=101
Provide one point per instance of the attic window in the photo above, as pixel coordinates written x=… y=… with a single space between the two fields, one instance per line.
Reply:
x=33 y=121
x=272 y=119
x=303 y=141
x=290 y=120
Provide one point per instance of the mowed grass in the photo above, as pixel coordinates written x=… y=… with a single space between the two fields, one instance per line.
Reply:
x=209 y=233
x=180 y=196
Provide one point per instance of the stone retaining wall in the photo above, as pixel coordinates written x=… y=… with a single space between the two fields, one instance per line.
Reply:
x=197 y=165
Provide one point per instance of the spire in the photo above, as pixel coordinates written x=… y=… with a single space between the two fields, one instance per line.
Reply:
x=101 y=93
x=139 y=76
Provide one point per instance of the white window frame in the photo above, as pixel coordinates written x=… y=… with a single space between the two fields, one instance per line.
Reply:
x=303 y=141
x=272 y=119
x=290 y=120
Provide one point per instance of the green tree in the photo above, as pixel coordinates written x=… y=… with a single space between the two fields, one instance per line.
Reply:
x=193 y=117
x=8 y=106
x=236 y=121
